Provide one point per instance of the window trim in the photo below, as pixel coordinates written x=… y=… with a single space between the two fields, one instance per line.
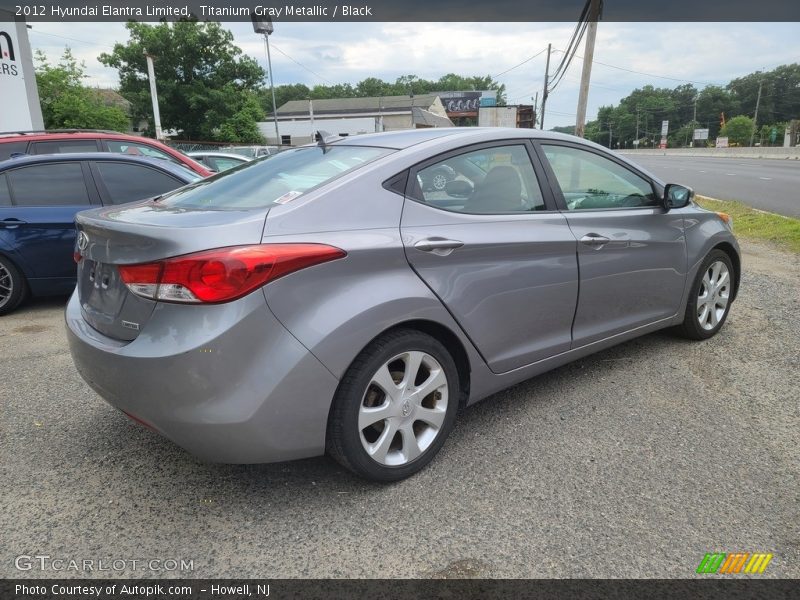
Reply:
x=556 y=186
x=414 y=193
x=105 y=195
x=91 y=190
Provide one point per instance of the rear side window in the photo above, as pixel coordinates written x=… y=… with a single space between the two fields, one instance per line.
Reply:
x=5 y=195
x=57 y=184
x=275 y=180
x=63 y=146
x=126 y=183
x=9 y=148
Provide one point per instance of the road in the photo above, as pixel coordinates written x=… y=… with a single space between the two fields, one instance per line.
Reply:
x=768 y=184
x=633 y=462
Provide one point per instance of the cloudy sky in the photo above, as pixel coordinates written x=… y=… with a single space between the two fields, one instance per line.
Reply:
x=663 y=54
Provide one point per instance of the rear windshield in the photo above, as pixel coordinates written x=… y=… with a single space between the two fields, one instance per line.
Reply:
x=276 y=179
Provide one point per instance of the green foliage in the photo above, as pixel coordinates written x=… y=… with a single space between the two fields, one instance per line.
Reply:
x=67 y=104
x=372 y=86
x=206 y=85
x=738 y=130
x=649 y=106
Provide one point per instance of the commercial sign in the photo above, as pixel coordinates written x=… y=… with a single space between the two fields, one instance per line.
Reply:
x=722 y=142
x=700 y=134
x=467 y=102
x=21 y=109
x=664 y=128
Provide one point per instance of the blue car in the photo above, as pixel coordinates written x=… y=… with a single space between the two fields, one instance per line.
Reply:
x=39 y=196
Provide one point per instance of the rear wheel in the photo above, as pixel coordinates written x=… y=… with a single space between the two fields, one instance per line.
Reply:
x=12 y=286
x=710 y=297
x=395 y=406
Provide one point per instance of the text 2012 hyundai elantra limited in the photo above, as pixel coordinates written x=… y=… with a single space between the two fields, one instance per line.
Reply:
x=325 y=300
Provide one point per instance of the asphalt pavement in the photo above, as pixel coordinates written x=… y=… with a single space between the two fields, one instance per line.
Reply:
x=767 y=184
x=634 y=462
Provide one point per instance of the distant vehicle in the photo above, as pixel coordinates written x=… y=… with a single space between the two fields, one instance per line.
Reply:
x=219 y=161
x=39 y=196
x=63 y=141
x=324 y=300
x=253 y=151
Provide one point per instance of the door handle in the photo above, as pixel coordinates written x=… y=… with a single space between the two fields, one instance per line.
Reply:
x=440 y=246
x=595 y=240
x=11 y=223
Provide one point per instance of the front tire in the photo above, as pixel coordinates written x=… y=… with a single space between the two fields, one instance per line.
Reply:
x=13 y=288
x=710 y=297
x=395 y=406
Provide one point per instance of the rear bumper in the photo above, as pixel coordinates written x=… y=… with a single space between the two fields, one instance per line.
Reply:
x=226 y=382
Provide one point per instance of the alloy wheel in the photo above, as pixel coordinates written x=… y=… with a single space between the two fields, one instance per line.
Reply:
x=714 y=295
x=6 y=285
x=403 y=408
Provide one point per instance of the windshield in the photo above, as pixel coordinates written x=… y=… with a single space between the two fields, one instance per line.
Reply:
x=276 y=179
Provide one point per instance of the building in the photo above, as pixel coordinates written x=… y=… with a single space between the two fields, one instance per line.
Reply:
x=520 y=116
x=298 y=119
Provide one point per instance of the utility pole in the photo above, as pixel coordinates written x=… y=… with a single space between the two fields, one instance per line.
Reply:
x=266 y=28
x=694 y=120
x=588 y=55
x=151 y=75
x=637 y=128
x=311 y=117
x=755 y=117
x=609 y=135
x=546 y=83
x=535 y=110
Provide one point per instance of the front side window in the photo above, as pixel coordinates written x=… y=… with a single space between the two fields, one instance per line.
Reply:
x=55 y=184
x=590 y=181
x=273 y=180
x=126 y=183
x=137 y=149
x=494 y=180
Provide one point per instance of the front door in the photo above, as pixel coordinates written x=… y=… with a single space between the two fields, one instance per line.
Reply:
x=631 y=252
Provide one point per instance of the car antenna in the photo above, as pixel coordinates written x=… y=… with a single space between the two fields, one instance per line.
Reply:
x=322 y=137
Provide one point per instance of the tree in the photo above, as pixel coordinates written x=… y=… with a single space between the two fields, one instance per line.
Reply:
x=67 y=104
x=205 y=83
x=738 y=130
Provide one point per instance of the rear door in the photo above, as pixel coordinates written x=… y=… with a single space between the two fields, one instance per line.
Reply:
x=493 y=248
x=39 y=223
x=631 y=252
x=120 y=182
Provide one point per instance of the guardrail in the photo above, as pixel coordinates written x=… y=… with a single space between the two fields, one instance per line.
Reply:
x=757 y=152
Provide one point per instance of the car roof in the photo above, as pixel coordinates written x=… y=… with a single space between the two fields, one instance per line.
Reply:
x=400 y=140
x=35 y=159
x=62 y=134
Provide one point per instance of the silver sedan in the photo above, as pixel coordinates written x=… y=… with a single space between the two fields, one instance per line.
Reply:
x=328 y=300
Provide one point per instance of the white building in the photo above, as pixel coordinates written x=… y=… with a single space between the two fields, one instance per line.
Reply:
x=298 y=119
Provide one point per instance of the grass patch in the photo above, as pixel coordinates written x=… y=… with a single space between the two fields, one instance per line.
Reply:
x=752 y=224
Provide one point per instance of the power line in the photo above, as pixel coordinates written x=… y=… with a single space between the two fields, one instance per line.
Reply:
x=303 y=66
x=542 y=51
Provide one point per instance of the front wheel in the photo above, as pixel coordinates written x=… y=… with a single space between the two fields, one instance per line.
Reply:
x=394 y=407
x=12 y=286
x=710 y=297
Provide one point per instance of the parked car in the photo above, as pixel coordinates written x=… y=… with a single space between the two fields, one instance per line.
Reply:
x=62 y=141
x=253 y=151
x=39 y=196
x=219 y=161
x=324 y=300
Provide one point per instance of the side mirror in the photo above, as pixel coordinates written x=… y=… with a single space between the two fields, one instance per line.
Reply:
x=458 y=188
x=677 y=196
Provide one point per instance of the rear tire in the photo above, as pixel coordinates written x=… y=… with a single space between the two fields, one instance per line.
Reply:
x=13 y=287
x=395 y=406
x=709 y=298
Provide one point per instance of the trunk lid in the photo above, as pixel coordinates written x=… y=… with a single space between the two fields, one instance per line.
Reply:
x=139 y=233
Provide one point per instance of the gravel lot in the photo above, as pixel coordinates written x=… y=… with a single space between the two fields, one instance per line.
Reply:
x=631 y=463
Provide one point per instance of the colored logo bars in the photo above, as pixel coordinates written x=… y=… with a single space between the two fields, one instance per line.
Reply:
x=721 y=562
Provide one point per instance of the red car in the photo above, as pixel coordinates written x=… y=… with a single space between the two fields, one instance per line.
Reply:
x=59 y=141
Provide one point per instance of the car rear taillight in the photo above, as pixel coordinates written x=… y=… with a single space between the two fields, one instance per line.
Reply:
x=223 y=274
